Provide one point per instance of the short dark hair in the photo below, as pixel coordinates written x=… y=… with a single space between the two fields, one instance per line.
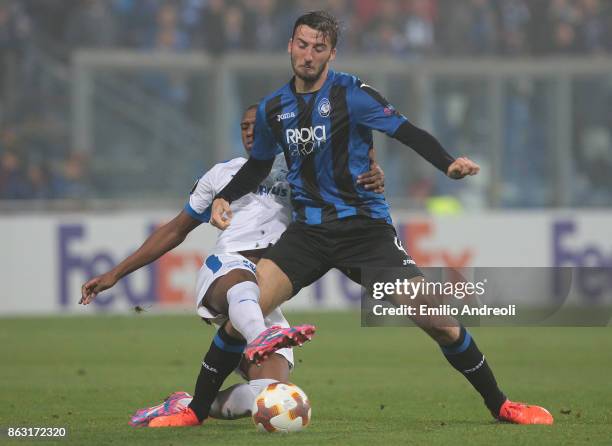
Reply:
x=323 y=22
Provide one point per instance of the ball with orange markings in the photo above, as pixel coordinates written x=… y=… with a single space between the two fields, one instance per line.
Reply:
x=281 y=407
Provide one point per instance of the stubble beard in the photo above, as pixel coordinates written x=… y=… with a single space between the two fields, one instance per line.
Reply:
x=310 y=79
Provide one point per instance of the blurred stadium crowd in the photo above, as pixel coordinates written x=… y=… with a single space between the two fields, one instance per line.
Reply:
x=402 y=27
x=36 y=160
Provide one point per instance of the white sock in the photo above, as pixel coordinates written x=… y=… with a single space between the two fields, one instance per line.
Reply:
x=259 y=384
x=237 y=401
x=244 y=311
x=234 y=402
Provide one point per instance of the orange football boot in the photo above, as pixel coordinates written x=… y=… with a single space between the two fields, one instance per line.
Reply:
x=520 y=413
x=185 y=417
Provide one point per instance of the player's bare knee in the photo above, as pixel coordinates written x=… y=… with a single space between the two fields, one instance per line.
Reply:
x=275 y=287
x=216 y=296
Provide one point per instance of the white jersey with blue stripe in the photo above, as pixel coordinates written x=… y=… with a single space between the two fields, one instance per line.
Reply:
x=259 y=218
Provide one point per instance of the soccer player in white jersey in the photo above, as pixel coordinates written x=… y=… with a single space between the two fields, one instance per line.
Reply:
x=227 y=288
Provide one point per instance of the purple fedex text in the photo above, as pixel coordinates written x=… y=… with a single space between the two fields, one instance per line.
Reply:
x=89 y=265
x=592 y=275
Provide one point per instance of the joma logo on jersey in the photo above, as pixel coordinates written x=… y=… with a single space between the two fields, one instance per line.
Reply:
x=303 y=141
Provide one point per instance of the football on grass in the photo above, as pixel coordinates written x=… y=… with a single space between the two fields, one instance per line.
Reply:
x=281 y=407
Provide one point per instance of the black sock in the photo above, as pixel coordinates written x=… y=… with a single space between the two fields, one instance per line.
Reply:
x=467 y=359
x=222 y=358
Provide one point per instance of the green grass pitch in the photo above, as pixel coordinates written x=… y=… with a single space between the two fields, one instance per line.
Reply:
x=366 y=385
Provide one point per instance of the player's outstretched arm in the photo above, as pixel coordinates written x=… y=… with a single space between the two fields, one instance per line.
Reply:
x=163 y=239
x=372 y=110
x=430 y=148
x=425 y=145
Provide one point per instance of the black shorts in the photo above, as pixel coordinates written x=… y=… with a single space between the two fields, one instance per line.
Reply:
x=306 y=252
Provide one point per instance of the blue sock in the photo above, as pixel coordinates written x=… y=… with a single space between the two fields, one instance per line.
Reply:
x=465 y=357
x=222 y=358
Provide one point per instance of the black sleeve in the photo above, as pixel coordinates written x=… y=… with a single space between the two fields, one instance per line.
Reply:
x=250 y=175
x=425 y=145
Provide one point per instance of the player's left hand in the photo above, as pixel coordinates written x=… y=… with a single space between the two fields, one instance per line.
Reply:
x=374 y=179
x=221 y=214
x=461 y=168
x=93 y=287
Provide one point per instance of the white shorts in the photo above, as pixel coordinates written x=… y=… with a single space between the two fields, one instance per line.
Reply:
x=218 y=265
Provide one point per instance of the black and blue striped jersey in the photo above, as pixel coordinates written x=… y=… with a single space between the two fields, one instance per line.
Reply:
x=326 y=137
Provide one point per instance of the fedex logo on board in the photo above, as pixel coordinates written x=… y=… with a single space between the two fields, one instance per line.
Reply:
x=588 y=255
x=416 y=233
x=592 y=275
x=76 y=263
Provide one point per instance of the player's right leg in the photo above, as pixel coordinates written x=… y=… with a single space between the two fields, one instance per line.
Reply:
x=229 y=288
x=227 y=284
x=237 y=401
x=275 y=288
x=235 y=294
x=233 y=402
x=222 y=357
x=298 y=259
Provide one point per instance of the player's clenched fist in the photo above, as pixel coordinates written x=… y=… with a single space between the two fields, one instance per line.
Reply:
x=90 y=289
x=462 y=167
x=221 y=214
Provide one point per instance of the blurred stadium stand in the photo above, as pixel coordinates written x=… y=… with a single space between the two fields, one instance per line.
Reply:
x=133 y=99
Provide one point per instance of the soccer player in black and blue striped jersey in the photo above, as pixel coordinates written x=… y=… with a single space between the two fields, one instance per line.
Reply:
x=323 y=121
